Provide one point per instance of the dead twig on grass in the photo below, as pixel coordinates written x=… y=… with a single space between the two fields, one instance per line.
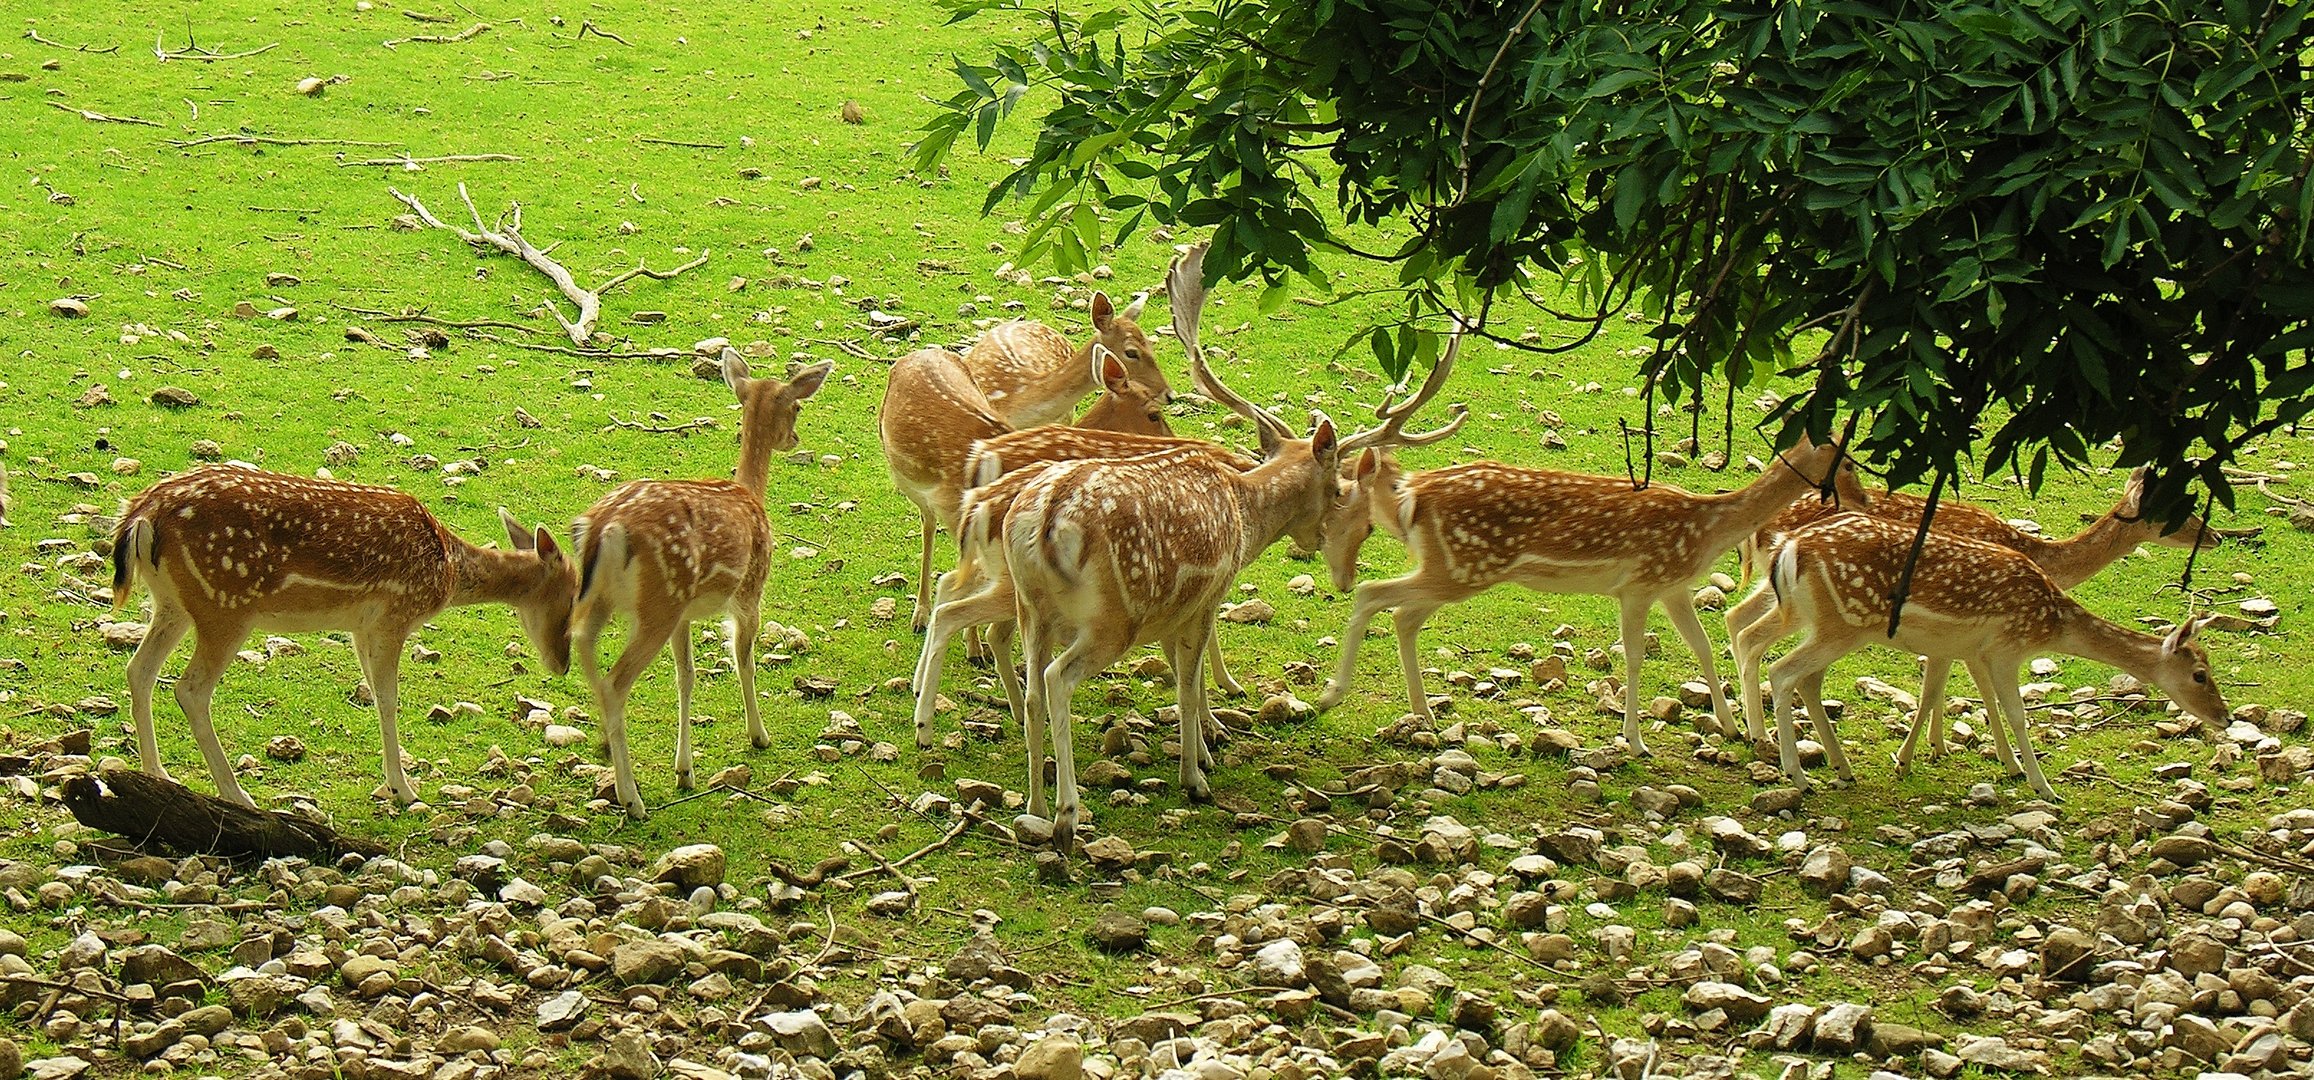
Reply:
x=95 y=117
x=34 y=36
x=194 y=51
x=701 y=424
x=468 y=34
x=267 y=140
x=587 y=26
x=408 y=315
x=507 y=237
x=412 y=163
x=892 y=866
x=655 y=140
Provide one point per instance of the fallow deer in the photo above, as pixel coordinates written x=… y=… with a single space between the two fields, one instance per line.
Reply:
x=1980 y=604
x=227 y=550
x=933 y=414
x=1104 y=555
x=1472 y=527
x=1032 y=375
x=671 y=552
x=1758 y=622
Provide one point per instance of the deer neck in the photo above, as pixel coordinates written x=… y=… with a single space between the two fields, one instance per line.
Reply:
x=2082 y=633
x=485 y=575
x=755 y=452
x=1745 y=511
x=1271 y=497
x=2079 y=557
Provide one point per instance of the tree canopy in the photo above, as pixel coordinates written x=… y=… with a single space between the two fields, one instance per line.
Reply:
x=2077 y=222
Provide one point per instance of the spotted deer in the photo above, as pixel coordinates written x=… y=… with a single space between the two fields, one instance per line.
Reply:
x=1033 y=375
x=1474 y=526
x=1104 y=555
x=1758 y=622
x=933 y=414
x=670 y=552
x=1980 y=604
x=227 y=551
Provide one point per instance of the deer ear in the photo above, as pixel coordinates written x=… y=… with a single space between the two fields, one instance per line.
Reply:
x=1368 y=461
x=1109 y=369
x=808 y=381
x=547 y=548
x=734 y=369
x=1103 y=314
x=1322 y=440
x=2179 y=638
x=517 y=535
x=1132 y=312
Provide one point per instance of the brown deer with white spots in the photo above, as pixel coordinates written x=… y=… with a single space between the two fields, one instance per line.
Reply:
x=1758 y=622
x=670 y=552
x=1472 y=527
x=1105 y=555
x=1033 y=375
x=227 y=551
x=933 y=414
x=1982 y=605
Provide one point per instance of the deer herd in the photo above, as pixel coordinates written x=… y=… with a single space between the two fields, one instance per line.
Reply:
x=1085 y=541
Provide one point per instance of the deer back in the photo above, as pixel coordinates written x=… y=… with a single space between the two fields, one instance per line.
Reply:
x=1965 y=596
x=678 y=542
x=1054 y=442
x=1034 y=375
x=291 y=552
x=931 y=415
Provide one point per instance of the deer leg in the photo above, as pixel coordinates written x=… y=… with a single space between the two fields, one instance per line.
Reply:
x=381 y=659
x=1811 y=690
x=988 y=605
x=1408 y=620
x=169 y=625
x=1370 y=599
x=2012 y=702
x=1634 y=625
x=1000 y=639
x=1784 y=678
x=1691 y=629
x=1032 y=717
x=1196 y=712
x=2003 y=749
x=745 y=624
x=1221 y=676
x=1928 y=718
x=683 y=673
x=1061 y=678
x=1753 y=626
x=650 y=636
x=924 y=585
x=211 y=653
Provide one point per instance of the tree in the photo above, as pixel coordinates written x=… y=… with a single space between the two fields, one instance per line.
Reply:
x=2077 y=222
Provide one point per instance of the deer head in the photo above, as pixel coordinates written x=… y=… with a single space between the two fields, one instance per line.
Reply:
x=1120 y=332
x=2183 y=672
x=544 y=610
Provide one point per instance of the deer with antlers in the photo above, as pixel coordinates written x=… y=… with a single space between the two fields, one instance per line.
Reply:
x=227 y=550
x=1759 y=621
x=1983 y=605
x=1106 y=554
x=1471 y=527
x=671 y=552
x=933 y=414
x=1032 y=375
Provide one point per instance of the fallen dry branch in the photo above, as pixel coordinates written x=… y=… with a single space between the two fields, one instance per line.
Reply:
x=267 y=140
x=148 y=810
x=883 y=866
x=413 y=316
x=507 y=237
x=701 y=424
x=587 y=26
x=100 y=118
x=412 y=163
x=193 y=51
x=468 y=34
x=655 y=140
x=34 y=35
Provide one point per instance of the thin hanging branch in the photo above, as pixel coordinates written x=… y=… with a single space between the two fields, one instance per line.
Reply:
x=507 y=237
x=1919 y=540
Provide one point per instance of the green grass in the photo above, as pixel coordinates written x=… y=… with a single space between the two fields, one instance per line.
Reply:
x=167 y=241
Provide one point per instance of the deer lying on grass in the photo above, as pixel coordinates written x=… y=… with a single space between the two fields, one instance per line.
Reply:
x=671 y=552
x=1031 y=374
x=227 y=550
x=933 y=414
x=1758 y=622
x=1104 y=555
x=1472 y=527
x=1980 y=604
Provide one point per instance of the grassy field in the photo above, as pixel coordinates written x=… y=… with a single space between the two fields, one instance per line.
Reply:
x=712 y=130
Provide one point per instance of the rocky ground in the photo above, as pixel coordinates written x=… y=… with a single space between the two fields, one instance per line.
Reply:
x=2180 y=951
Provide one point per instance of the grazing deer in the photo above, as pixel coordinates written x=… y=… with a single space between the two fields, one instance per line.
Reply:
x=1104 y=555
x=1472 y=527
x=1981 y=604
x=1032 y=375
x=933 y=414
x=671 y=552
x=1758 y=622
x=227 y=550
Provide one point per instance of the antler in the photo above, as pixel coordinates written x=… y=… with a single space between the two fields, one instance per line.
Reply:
x=1394 y=416
x=1185 y=292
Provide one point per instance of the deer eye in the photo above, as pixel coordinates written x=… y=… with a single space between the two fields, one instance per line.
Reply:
x=1132 y=353
x=2201 y=676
